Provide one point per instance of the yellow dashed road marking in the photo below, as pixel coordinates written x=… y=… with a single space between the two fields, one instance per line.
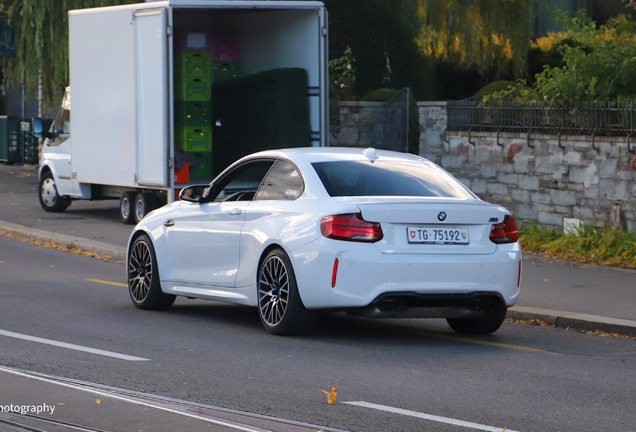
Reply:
x=482 y=342
x=108 y=282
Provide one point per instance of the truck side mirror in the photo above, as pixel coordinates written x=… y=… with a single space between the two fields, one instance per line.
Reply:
x=36 y=127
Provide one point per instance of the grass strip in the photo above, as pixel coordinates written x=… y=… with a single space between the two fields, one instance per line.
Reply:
x=592 y=245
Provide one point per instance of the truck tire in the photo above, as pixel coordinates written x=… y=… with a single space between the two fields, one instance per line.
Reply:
x=126 y=207
x=50 y=199
x=144 y=204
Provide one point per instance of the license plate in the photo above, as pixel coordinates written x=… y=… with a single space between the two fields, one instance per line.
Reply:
x=448 y=235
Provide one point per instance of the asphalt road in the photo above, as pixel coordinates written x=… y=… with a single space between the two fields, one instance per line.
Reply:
x=546 y=283
x=524 y=378
x=94 y=220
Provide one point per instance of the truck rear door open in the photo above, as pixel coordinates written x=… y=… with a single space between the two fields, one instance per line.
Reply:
x=118 y=68
x=152 y=104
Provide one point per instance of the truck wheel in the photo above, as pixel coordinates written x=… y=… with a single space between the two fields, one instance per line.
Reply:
x=126 y=206
x=144 y=204
x=50 y=200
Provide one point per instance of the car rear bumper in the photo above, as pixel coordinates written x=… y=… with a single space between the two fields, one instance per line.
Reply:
x=365 y=274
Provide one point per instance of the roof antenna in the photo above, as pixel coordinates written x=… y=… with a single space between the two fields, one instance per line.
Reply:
x=371 y=154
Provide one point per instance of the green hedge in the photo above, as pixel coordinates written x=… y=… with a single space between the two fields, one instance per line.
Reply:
x=267 y=110
x=493 y=87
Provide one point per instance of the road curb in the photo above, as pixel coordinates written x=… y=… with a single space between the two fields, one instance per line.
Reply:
x=559 y=319
x=562 y=319
x=118 y=253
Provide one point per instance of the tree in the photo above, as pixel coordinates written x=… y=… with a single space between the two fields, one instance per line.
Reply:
x=41 y=43
x=381 y=35
x=493 y=35
x=600 y=65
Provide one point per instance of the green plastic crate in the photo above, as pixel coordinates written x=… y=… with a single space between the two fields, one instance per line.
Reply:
x=193 y=114
x=225 y=70
x=202 y=170
x=194 y=90
x=194 y=138
x=193 y=64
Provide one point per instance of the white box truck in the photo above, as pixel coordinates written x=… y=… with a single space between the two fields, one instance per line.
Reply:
x=126 y=76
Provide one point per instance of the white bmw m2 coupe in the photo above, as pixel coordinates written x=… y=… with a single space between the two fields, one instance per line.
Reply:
x=293 y=232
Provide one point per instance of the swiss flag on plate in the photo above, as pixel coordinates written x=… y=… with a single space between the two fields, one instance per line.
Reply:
x=412 y=234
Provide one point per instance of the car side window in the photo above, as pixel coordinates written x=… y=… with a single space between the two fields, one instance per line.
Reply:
x=240 y=184
x=283 y=182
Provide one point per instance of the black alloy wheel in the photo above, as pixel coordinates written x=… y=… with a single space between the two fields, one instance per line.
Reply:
x=143 y=277
x=279 y=304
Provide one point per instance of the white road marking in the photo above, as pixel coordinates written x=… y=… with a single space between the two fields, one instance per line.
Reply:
x=438 y=419
x=71 y=346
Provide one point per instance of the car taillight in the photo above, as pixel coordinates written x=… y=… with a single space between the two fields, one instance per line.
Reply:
x=350 y=227
x=505 y=232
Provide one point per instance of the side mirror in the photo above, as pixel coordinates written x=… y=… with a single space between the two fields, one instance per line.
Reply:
x=37 y=127
x=192 y=193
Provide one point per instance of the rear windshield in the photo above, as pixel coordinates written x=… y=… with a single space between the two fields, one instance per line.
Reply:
x=388 y=178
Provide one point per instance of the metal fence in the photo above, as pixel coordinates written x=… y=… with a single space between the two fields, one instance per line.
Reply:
x=17 y=142
x=596 y=118
x=395 y=134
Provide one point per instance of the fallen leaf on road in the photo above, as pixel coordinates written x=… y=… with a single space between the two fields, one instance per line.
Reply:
x=60 y=404
x=536 y=265
x=98 y=401
x=200 y=411
x=52 y=245
x=331 y=397
x=25 y=174
x=545 y=280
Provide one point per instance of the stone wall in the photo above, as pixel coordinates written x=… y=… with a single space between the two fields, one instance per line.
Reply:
x=544 y=183
x=361 y=125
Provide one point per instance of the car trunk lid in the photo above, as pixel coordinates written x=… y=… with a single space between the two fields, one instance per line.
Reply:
x=432 y=225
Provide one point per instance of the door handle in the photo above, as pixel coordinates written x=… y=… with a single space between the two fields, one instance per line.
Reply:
x=234 y=212
x=169 y=223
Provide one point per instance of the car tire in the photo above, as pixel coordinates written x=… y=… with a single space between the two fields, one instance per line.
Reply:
x=126 y=207
x=144 y=204
x=144 y=286
x=279 y=304
x=486 y=324
x=50 y=199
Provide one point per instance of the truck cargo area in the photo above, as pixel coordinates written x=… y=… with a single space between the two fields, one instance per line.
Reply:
x=244 y=81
